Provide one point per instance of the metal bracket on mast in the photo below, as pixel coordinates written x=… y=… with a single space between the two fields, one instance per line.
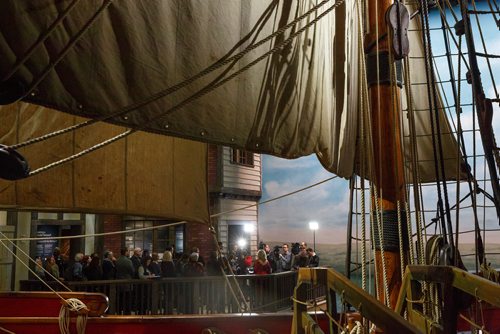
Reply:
x=398 y=17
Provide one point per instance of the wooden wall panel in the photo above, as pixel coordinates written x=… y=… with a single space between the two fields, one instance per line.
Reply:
x=145 y=174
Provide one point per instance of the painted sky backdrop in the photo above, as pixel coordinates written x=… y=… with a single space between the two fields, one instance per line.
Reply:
x=287 y=219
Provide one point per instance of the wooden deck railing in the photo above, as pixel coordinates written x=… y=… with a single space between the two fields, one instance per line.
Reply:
x=187 y=295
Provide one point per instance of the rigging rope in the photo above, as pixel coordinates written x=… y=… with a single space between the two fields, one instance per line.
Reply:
x=40 y=40
x=274 y=199
x=435 y=127
x=6 y=330
x=242 y=296
x=485 y=52
x=95 y=234
x=69 y=46
x=365 y=144
x=378 y=214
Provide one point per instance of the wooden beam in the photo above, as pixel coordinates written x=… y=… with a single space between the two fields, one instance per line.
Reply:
x=366 y=304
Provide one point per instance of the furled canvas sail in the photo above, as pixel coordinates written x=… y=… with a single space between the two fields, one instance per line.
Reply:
x=300 y=100
x=144 y=174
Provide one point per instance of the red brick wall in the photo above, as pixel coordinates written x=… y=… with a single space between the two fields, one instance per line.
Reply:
x=112 y=223
x=198 y=235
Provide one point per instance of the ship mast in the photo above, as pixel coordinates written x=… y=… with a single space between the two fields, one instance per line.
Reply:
x=385 y=103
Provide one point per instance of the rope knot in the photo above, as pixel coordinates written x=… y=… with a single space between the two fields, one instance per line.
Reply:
x=77 y=306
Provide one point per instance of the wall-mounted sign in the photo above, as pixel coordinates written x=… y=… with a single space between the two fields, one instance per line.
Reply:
x=45 y=248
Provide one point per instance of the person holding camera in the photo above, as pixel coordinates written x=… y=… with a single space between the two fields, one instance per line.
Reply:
x=313 y=258
x=285 y=259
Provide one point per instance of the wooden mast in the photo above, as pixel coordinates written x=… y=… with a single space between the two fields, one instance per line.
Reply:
x=385 y=104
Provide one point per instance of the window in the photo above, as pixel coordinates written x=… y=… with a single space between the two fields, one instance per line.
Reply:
x=237 y=238
x=155 y=240
x=242 y=157
x=141 y=239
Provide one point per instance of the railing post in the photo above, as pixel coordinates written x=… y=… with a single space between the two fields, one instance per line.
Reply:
x=196 y=292
x=275 y=292
x=112 y=298
x=155 y=297
x=300 y=295
x=331 y=299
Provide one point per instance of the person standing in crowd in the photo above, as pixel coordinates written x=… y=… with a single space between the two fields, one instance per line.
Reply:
x=246 y=264
x=167 y=265
x=180 y=265
x=61 y=263
x=197 y=251
x=213 y=266
x=285 y=258
x=301 y=260
x=143 y=270
x=124 y=270
x=108 y=266
x=93 y=271
x=313 y=258
x=221 y=257
x=154 y=267
x=124 y=267
x=194 y=268
x=276 y=260
x=136 y=261
x=52 y=268
x=262 y=265
x=78 y=267
x=39 y=267
x=269 y=256
x=85 y=262
x=298 y=260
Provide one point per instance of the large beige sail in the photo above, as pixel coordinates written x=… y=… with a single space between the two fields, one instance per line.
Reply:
x=301 y=100
x=145 y=174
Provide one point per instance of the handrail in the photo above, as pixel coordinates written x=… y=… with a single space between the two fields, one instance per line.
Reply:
x=366 y=304
x=189 y=295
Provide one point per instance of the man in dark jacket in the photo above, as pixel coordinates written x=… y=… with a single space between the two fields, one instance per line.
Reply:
x=124 y=270
x=136 y=261
x=108 y=266
x=313 y=258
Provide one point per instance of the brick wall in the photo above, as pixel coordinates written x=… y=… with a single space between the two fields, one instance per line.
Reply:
x=112 y=223
x=198 y=235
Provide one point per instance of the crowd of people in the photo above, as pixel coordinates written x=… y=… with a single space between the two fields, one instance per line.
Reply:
x=281 y=258
x=139 y=264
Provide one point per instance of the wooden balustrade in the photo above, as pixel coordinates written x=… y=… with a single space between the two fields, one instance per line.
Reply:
x=187 y=295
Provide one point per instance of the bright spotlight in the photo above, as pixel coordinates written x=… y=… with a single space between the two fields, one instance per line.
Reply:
x=313 y=226
x=248 y=228
x=242 y=243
